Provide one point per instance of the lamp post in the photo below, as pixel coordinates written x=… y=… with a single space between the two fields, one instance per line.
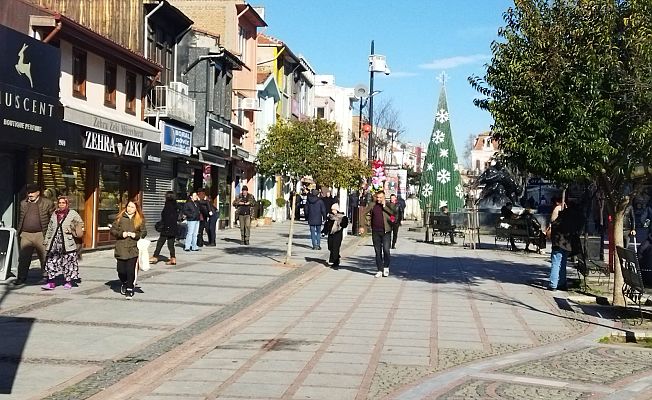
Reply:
x=377 y=63
x=363 y=103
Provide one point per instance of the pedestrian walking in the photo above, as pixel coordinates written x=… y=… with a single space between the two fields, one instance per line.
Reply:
x=128 y=227
x=315 y=212
x=169 y=228
x=334 y=227
x=33 y=220
x=61 y=248
x=204 y=215
x=379 y=217
x=565 y=231
x=399 y=218
x=193 y=215
x=211 y=226
x=243 y=204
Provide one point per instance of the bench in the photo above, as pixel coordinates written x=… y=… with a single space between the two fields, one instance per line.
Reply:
x=441 y=225
x=519 y=230
x=584 y=266
x=633 y=286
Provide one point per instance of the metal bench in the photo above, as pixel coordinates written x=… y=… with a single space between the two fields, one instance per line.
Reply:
x=441 y=225
x=633 y=287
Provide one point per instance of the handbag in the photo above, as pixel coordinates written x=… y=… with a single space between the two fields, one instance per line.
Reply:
x=158 y=227
x=77 y=230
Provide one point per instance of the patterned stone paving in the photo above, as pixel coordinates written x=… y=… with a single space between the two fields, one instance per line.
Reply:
x=486 y=390
x=600 y=365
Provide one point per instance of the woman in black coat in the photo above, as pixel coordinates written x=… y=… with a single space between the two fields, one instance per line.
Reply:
x=168 y=231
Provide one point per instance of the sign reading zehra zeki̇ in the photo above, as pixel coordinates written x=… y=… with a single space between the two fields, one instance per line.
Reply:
x=118 y=145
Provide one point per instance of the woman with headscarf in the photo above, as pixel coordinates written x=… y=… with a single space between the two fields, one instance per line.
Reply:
x=128 y=227
x=60 y=245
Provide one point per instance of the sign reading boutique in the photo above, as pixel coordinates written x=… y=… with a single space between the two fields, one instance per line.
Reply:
x=29 y=89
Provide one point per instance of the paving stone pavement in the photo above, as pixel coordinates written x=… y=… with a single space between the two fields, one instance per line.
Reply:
x=231 y=322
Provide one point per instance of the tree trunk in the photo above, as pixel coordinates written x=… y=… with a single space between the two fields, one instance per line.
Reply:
x=618 y=218
x=288 y=255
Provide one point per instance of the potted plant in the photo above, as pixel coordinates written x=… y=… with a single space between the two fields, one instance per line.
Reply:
x=279 y=211
x=264 y=205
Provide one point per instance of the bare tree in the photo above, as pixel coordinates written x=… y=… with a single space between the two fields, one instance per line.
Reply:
x=468 y=148
x=388 y=126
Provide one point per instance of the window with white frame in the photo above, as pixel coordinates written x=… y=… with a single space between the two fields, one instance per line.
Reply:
x=240 y=111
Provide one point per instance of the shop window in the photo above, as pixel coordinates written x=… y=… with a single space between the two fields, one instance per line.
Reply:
x=79 y=73
x=61 y=176
x=110 y=74
x=118 y=184
x=130 y=91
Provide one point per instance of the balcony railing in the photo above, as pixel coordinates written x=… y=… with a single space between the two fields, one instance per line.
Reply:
x=166 y=102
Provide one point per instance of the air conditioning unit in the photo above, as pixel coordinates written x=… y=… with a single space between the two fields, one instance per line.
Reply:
x=248 y=103
x=179 y=87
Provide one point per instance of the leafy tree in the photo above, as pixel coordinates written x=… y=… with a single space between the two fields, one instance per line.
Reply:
x=569 y=90
x=343 y=172
x=294 y=149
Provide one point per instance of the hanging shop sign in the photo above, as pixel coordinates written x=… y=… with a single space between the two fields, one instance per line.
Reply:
x=29 y=89
x=176 y=140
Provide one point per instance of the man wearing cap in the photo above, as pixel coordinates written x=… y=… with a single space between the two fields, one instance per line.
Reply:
x=243 y=204
x=35 y=213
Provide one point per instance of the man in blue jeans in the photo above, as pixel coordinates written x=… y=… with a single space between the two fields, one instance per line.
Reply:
x=379 y=217
x=315 y=212
x=565 y=236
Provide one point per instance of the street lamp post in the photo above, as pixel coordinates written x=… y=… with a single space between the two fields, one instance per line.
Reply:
x=376 y=64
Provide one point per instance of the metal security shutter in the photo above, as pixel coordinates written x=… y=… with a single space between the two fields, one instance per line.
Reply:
x=158 y=180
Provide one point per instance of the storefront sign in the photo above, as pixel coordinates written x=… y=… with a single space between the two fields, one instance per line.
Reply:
x=219 y=134
x=176 y=140
x=29 y=89
x=136 y=129
x=121 y=147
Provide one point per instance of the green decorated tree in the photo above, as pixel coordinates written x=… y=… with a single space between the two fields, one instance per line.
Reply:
x=441 y=183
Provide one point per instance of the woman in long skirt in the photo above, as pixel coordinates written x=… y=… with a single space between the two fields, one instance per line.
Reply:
x=61 y=257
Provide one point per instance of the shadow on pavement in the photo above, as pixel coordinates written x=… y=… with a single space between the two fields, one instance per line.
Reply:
x=15 y=332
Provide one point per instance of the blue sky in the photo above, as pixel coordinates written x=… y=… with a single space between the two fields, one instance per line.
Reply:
x=420 y=39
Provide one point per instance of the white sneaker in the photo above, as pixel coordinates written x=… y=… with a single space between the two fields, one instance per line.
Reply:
x=385 y=271
x=379 y=274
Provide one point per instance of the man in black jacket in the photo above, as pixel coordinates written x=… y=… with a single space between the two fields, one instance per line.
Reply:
x=204 y=210
x=243 y=204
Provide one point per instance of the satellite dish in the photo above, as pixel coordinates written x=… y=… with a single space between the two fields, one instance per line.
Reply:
x=361 y=91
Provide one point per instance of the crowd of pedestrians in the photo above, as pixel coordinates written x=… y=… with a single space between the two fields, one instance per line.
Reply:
x=55 y=232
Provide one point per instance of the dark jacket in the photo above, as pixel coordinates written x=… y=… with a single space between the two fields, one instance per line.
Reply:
x=125 y=247
x=243 y=204
x=645 y=254
x=204 y=208
x=389 y=211
x=169 y=218
x=566 y=230
x=45 y=209
x=330 y=221
x=191 y=211
x=315 y=210
x=328 y=202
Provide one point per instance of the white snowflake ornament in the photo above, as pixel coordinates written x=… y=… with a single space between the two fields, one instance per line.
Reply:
x=426 y=191
x=443 y=203
x=443 y=176
x=443 y=152
x=438 y=137
x=429 y=167
x=459 y=191
x=442 y=116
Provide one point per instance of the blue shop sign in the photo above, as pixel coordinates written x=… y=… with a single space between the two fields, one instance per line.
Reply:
x=176 y=140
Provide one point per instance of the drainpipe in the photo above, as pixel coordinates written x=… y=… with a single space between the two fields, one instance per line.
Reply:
x=52 y=34
x=243 y=11
x=147 y=25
